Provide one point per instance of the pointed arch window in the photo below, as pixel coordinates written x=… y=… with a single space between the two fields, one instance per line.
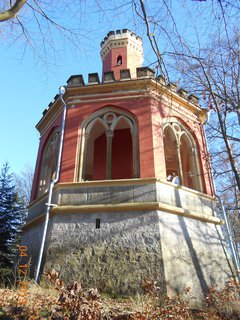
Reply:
x=109 y=146
x=182 y=156
x=49 y=162
x=119 y=60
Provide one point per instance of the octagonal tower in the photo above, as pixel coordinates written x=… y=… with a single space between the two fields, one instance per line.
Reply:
x=135 y=197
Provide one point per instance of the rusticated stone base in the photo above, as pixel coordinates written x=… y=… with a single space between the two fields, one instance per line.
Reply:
x=131 y=247
x=116 y=258
x=149 y=243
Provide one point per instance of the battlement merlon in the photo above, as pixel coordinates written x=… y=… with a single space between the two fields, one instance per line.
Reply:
x=121 y=38
x=121 y=34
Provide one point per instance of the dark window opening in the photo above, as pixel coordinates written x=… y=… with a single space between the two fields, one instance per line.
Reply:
x=119 y=60
x=97 y=223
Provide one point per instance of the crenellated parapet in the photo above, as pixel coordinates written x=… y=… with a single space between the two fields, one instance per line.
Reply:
x=121 y=38
x=120 y=34
x=142 y=73
x=125 y=75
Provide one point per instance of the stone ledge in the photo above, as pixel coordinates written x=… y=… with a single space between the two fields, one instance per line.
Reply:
x=137 y=206
x=112 y=192
x=105 y=183
x=127 y=182
x=122 y=182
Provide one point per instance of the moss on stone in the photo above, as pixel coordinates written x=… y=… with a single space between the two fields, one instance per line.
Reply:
x=113 y=271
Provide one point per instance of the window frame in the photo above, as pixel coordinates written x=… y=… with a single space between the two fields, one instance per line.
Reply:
x=180 y=131
x=88 y=124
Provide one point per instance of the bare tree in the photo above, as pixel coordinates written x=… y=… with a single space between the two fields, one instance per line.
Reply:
x=214 y=74
x=23 y=184
x=211 y=70
x=40 y=26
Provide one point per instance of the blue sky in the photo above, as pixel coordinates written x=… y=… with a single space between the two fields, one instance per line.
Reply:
x=26 y=90
x=29 y=85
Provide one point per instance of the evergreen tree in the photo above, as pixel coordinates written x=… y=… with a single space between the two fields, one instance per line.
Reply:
x=11 y=218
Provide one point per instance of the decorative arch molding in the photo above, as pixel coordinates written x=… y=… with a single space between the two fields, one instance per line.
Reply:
x=93 y=122
x=181 y=155
x=118 y=119
x=49 y=161
x=179 y=128
x=116 y=131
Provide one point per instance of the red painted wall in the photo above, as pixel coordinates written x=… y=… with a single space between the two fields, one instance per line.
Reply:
x=100 y=158
x=110 y=61
x=149 y=114
x=122 y=167
x=81 y=112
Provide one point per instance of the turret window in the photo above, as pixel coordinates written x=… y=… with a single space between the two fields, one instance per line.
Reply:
x=119 y=60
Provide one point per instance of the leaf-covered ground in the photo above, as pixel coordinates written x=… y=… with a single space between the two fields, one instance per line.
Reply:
x=53 y=300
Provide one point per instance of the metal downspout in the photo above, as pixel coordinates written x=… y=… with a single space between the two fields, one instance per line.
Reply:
x=62 y=90
x=229 y=233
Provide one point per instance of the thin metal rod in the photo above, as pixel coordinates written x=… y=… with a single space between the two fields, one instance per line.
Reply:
x=229 y=233
x=51 y=185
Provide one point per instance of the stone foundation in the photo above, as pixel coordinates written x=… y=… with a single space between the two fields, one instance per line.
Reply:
x=116 y=258
x=133 y=246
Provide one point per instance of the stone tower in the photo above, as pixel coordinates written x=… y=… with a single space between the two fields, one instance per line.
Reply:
x=135 y=198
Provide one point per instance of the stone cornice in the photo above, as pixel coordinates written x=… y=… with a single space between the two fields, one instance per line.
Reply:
x=117 y=89
x=136 y=206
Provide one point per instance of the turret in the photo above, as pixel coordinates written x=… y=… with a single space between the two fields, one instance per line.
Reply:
x=121 y=49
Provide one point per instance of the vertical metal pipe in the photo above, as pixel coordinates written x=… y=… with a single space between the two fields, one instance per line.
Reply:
x=229 y=233
x=62 y=90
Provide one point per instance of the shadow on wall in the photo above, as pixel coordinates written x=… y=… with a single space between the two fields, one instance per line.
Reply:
x=214 y=261
x=226 y=254
x=191 y=249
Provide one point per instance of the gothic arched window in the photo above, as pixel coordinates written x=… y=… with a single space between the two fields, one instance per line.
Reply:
x=109 y=146
x=181 y=156
x=49 y=162
x=119 y=60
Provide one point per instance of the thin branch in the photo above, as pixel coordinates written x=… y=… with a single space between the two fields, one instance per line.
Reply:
x=152 y=39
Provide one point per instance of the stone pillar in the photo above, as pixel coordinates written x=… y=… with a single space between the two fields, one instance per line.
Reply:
x=86 y=141
x=109 y=135
x=196 y=171
x=135 y=163
x=180 y=172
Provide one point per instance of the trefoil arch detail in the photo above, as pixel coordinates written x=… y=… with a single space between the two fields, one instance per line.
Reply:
x=181 y=155
x=109 y=146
